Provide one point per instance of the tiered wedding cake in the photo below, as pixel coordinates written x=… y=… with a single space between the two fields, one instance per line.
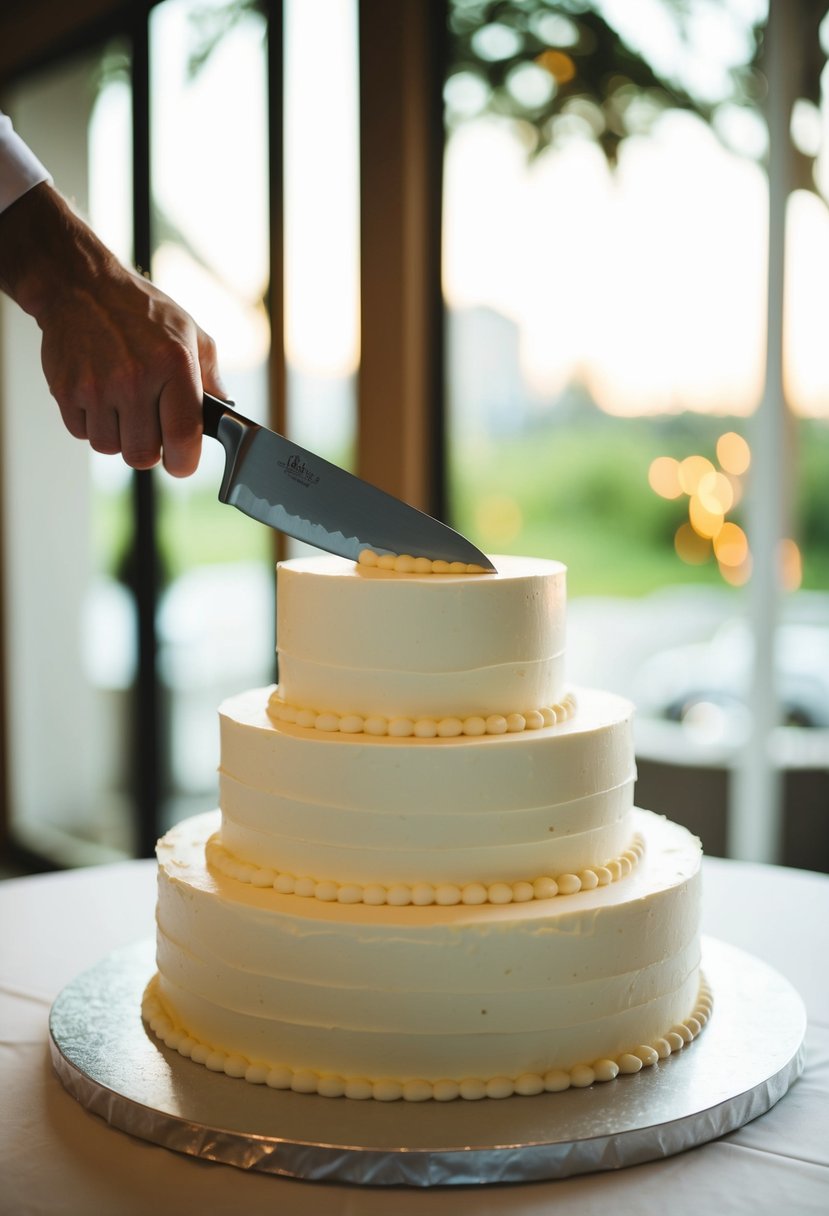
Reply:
x=427 y=878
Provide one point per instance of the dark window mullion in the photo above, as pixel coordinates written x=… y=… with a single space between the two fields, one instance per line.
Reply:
x=144 y=567
x=400 y=440
x=277 y=376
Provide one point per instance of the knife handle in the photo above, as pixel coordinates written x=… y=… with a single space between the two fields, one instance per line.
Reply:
x=213 y=411
x=231 y=429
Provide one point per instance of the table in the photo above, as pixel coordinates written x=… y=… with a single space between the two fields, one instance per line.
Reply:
x=56 y=1159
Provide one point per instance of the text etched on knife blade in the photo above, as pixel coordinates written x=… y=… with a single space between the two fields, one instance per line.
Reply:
x=298 y=471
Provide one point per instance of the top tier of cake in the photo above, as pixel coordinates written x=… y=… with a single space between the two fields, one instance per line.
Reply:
x=362 y=641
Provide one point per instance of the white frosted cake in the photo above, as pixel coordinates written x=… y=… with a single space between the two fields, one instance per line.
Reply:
x=426 y=878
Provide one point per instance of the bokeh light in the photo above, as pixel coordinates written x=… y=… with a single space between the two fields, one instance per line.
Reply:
x=733 y=453
x=715 y=493
x=704 y=522
x=731 y=545
x=692 y=470
x=712 y=493
x=663 y=477
x=465 y=93
x=558 y=64
x=690 y=546
x=554 y=28
x=530 y=85
x=737 y=576
x=496 y=41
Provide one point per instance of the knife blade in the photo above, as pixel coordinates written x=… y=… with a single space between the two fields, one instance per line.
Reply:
x=293 y=490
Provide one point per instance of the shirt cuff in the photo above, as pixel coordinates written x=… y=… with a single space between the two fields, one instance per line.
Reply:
x=19 y=167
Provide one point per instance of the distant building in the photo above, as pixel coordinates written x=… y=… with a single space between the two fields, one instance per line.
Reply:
x=486 y=394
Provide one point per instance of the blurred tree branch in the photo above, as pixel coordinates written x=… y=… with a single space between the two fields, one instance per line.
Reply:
x=598 y=83
x=558 y=67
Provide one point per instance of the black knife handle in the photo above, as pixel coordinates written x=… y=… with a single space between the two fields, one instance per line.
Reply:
x=233 y=432
x=213 y=411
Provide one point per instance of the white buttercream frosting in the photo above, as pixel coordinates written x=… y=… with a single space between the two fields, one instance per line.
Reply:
x=356 y=640
x=308 y=1081
x=436 y=992
x=382 y=809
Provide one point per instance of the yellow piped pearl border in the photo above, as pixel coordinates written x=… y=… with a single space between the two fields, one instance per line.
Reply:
x=422 y=894
x=308 y=1081
x=404 y=563
x=420 y=728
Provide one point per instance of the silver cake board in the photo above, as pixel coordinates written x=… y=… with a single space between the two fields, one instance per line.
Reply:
x=744 y=1061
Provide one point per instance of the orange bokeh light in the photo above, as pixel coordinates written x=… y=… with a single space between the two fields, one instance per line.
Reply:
x=712 y=493
x=731 y=545
x=663 y=477
x=715 y=493
x=737 y=576
x=692 y=470
x=704 y=522
x=560 y=66
x=733 y=453
x=690 y=546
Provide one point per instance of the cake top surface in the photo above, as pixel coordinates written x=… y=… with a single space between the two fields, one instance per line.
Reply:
x=506 y=567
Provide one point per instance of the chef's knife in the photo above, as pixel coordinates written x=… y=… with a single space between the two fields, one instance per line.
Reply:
x=290 y=489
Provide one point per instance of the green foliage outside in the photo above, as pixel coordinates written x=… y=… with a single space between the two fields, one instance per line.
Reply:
x=583 y=495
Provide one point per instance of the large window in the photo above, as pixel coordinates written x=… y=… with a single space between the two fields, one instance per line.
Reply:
x=635 y=253
x=628 y=216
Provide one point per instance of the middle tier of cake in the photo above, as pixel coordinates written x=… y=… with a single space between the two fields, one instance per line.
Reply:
x=547 y=809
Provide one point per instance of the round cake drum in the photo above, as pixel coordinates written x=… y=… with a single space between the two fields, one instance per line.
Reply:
x=749 y=1054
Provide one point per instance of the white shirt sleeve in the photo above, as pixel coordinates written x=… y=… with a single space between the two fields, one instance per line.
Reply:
x=19 y=167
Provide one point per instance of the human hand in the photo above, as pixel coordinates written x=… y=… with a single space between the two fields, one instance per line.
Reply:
x=127 y=368
x=126 y=365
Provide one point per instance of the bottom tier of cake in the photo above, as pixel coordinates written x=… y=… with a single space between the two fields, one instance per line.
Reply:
x=428 y=1002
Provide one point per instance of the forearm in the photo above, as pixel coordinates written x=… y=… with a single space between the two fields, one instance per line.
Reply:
x=47 y=253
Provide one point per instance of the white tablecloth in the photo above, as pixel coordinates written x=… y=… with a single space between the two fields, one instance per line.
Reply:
x=56 y=1159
